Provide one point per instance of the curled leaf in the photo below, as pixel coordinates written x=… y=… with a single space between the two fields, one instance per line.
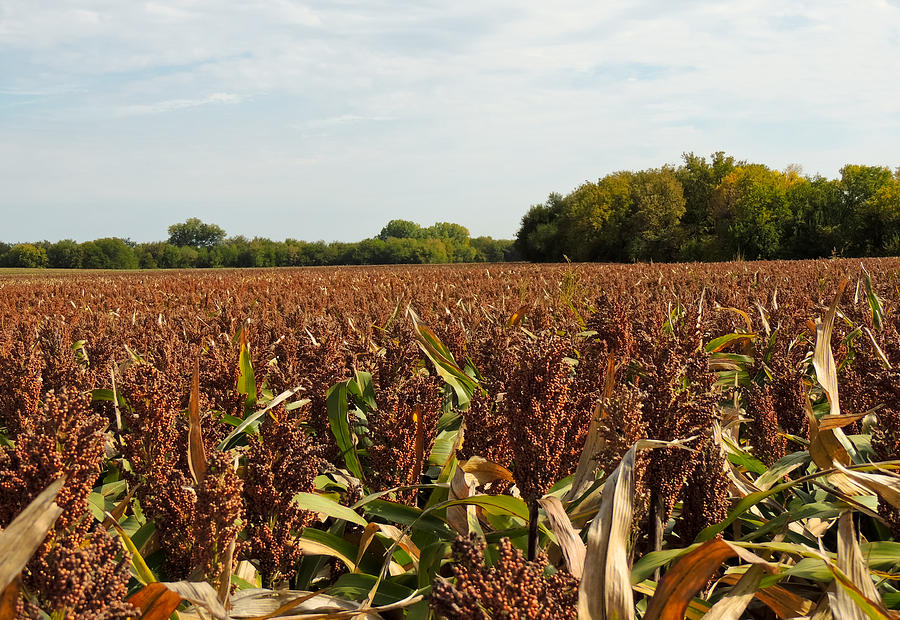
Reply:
x=573 y=548
x=196 y=450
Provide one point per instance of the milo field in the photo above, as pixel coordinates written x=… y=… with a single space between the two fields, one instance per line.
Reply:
x=459 y=442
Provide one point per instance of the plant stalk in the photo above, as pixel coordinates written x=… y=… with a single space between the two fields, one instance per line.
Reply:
x=532 y=528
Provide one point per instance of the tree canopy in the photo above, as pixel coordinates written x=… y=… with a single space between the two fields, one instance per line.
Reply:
x=195 y=244
x=717 y=209
x=195 y=234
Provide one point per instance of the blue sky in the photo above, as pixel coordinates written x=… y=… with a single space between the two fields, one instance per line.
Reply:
x=324 y=120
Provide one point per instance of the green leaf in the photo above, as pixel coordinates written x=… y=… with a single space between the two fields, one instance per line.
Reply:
x=430 y=562
x=317 y=542
x=463 y=385
x=356 y=586
x=340 y=427
x=747 y=462
x=783 y=467
x=743 y=506
x=104 y=395
x=717 y=344
x=819 y=510
x=494 y=504
x=874 y=303
x=138 y=566
x=645 y=567
x=246 y=383
x=252 y=421
x=363 y=389
x=320 y=503
x=393 y=512
x=443 y=446
x=881 y=555
x=813 y=569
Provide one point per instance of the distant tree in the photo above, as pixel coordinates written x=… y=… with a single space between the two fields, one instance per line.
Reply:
x=433 y=251
x=595 y=219
x=158 y=255
x=401 y=229
x=816 y=227
x=196 y=234
x=187 y=257
x=538 y=238
x=859 y=185
x=699 y=179
x=108 y=253
x=92 y=256
x=751 y=211
x=303 y=253
x=366 y=252
x=658 y=205
x=65 y=254
x=447 y=230
x=881 y=215
x=27 y=255
x=492 y=250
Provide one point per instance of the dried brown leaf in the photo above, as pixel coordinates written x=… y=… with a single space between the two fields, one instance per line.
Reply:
x=823 y=358
x=8 y=600
x=850 y=560
x=27 y=531
x=733 y=604
x=605 y=590
x=196 y=450
x=225 y=576
x=573 y=548
x=201 y=594
x=682 y=581
x=783 y=602
x=485 y=471
x=886 y=485
x=587 y=467
x=156 y=601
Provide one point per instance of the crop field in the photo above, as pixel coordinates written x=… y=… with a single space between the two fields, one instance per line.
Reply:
x=459 y=442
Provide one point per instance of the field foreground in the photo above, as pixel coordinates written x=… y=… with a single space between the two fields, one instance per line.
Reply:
x=510 y=441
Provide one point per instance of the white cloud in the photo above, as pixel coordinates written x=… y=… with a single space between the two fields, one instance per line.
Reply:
x=490 y=105
x=171 y=105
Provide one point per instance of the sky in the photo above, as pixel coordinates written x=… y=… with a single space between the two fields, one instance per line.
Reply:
x=324 y=120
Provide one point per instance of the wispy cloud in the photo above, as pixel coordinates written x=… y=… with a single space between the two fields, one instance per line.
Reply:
x=472 y=108
x=172 y=105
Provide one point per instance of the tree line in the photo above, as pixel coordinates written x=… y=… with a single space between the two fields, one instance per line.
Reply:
x=717 y=209
x=194 y=243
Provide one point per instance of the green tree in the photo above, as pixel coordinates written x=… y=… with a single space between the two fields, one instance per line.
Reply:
x=108 y=253
x=196 y=234
x=65 y=254
x=699 y=179
x=860 y=219
x=490 y=250
x=816 y=228
x=882 y=215
x=596 y=217
x=27 y=255
x=401 y=229
x=751 y=211
x=538 y=238
x=159 y=255
x=447 y=230
x=657 y=200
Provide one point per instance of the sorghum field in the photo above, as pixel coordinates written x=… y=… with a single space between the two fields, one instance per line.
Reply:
x=511 y=441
